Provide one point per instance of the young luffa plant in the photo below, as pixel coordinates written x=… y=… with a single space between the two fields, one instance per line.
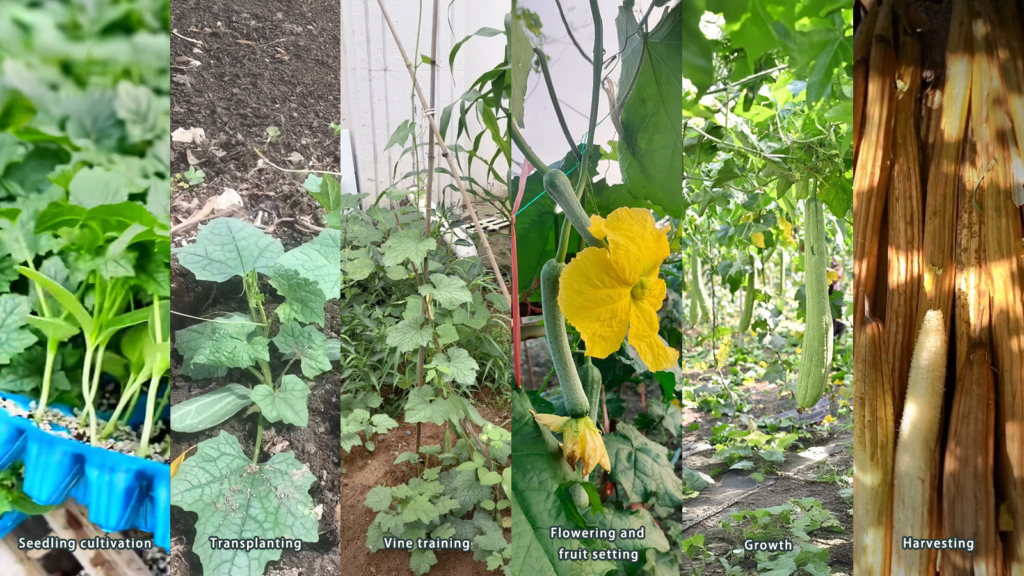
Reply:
x=305 y=278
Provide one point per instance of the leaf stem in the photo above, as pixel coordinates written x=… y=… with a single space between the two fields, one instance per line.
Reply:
x=259 y=440
x=554 y=102
x=51 y=355
x=528 y=152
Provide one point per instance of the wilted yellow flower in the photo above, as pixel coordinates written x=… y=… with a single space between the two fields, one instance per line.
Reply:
x=828 y=419
x=831 y=276
x=757 y=239
x=581 y=441
x=614 y=293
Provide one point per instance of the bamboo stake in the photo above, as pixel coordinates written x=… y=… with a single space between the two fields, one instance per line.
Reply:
x=448 y=156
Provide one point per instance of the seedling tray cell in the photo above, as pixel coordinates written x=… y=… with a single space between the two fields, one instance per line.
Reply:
x=120 y=491
x=9 y=521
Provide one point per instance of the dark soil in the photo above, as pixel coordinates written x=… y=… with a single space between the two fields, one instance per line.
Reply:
x=364 y=470
x=261 y=63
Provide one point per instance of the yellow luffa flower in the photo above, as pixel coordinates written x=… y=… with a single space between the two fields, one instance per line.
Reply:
x=611 y=293
x=787 y=231
x=581 y=441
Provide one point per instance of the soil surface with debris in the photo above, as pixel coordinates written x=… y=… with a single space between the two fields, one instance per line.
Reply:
x=364 y=470
x=811 y=470
x=243 y=68
x=237 y=69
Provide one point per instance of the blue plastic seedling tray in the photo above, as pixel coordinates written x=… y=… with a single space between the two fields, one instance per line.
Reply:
x=9 y=521
x=120 y=491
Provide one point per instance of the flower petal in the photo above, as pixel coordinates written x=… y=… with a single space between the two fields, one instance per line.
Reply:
x=594 y=297
x=643 y=335
x=635 y=241
x=551 y=421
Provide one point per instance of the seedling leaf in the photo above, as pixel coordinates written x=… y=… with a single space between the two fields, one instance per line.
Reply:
x=210 y=409
x=226 y=248
x=287 y=404
x=237 y=499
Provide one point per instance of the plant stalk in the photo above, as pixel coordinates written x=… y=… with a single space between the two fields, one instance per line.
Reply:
x=51 y=355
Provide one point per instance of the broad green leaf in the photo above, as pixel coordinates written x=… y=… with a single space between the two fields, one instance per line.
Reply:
x=19 y=239
x=539 y=468
x=92 y=187
x=447 y=334
x=409 y=334
x=488 y=477
x=8 y=273
x=235 y=499
x=420 y=561
x=382 y=423
x=618 y=520
x=379 y=498
x=318 y=260
x=227 y=247
x=287 y=404
x=651 y=142
x=448 y=291
x=460 y=366
x=143 y=113
x=304 y=300
x=232 y=352
x=68 y=300
x=463 y=486
x=192 y=341
x=642 y=468
x=423 y=407
x=210 y=409
x=521 y=66
x=23 y=374
x=420 y=508
x=358 y=269
x=16 y=110
x=306 y=343
x=408 y=243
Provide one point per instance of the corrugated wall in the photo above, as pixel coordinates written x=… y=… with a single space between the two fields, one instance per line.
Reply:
x=377 y=93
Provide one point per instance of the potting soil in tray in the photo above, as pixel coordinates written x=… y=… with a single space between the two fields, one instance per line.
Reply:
x=121 y=491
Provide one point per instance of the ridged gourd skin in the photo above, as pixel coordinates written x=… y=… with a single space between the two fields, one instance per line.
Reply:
x=561 y=191
x=590 y=377
x=816 y=358
x=748 y=301
x=576 y=405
